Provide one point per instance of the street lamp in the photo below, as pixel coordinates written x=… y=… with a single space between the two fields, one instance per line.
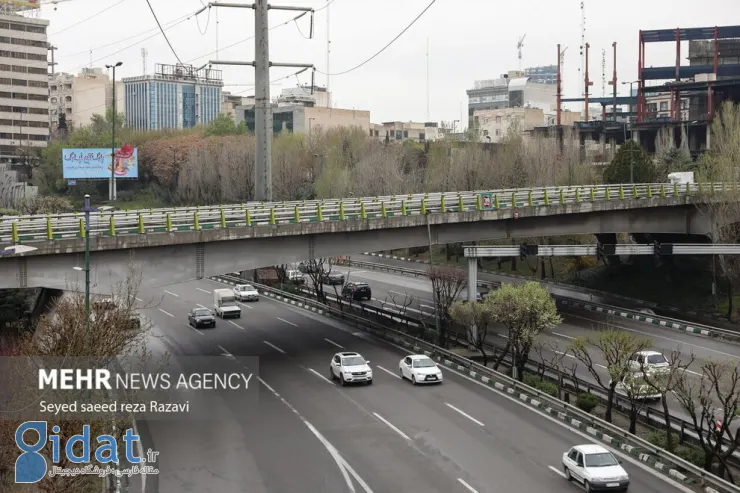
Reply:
x=87 y=264
x=16 y=249
x=629 y=119
x=112 y=193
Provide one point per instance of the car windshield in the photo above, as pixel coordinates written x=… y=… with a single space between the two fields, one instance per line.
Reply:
x=353 y=361
x=202 y=312
x=656 y=359
x=424 y=363
x=600 y=460
x=245 y=287
x=228 y=303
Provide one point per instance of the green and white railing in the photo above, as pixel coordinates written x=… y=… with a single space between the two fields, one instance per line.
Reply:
x=18 y=229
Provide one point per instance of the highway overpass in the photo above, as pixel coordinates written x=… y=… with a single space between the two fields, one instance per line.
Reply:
x=312 y=435
x=171 y=246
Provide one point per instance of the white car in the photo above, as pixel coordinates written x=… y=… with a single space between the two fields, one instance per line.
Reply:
x=596 y=468
x=419 y=369
x=350 y=368
x=246 y=292
x=634 y=385
x=651 y=361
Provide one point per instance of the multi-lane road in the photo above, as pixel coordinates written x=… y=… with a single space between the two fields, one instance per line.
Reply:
x=413 y=296
x=309 y=434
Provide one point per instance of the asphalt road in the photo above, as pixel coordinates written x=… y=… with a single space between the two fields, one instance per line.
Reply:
x=313 y=435
x=413 y=296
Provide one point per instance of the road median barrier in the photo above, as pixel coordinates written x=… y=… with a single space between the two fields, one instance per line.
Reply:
x=658 y=459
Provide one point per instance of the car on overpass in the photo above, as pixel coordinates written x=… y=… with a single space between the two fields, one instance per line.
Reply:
x=348 y=367
x=419 y=368
x=649 y=362
x=595 y=468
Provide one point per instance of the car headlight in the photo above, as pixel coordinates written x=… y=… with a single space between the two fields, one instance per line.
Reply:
x=623 y=478
x=598 y=480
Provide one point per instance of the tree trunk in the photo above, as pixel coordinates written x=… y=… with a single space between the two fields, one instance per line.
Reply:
x=484 y=355
x=520 y=367
x=609 y=402
x=729 y=300
x=552 y=269
x=667 y=419
x=633 y=419
x=501 y=357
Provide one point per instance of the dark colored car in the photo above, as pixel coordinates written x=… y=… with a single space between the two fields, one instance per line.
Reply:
x=309 y=267
x=357 y=291
x=201 y=317
x=332 y=278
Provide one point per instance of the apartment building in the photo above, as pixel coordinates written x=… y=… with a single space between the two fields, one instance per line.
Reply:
x=24 y=87
x=301 y=119
x=81 y=96
x=399 y=131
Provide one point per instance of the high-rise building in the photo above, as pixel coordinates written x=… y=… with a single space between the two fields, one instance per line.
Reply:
x=24 y=87
x=546 y=74
x=175 y=96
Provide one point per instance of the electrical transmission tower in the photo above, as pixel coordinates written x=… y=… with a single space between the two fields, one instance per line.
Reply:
x=263 y=106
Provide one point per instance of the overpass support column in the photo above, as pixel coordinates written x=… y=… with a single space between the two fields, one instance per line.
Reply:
x=472 y=292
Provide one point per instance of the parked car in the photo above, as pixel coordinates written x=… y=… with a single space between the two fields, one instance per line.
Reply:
x=201 y=317
x=595 y=468
x=350 y=367
x=332 y=278
x=294 y=276
x=246 y=292
x=357 y=291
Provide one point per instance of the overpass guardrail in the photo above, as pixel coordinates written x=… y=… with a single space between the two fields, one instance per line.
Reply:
x=660 y=321
x=19 y=229
x=659 y=459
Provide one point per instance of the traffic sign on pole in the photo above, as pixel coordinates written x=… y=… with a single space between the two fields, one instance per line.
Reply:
x=486 y=200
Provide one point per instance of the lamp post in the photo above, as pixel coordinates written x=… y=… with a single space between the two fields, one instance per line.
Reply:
x=629 y=119
x=87 y=265
x=112 y=193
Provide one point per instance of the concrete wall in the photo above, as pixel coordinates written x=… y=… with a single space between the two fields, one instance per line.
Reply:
x=170 y=258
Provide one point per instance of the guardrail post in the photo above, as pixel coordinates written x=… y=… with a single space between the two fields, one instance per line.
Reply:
x=562 y=196
x=634 y=192
x=272 y=216
x=578 y=195
x=141 y=224
x=593 y=194
x=82 y=228
x=496 y=204
x=662 y=190
x=383 y=212
x=112 y=226
x=675 y=189
x=49 y=232
x=248 y=217
x=423 y=206
x=546 y=198
x=513 y=200
x=297 y=214
x=650 y=191
x=607 y=195
x=223 y=218
x=478 y=203
x=363 y=212
x=403 y=208
x=621 y=192
x=688 y=188
x=14 y=228
x=196 y=222
x=341 y=210
x=442 y=204
x=460 y=203
x=529 y=199
x=319 y=213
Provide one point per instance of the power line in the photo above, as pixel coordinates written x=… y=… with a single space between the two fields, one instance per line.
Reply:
x=325 y=6
x=386 y=46
x=88 y=18
x=163 y=33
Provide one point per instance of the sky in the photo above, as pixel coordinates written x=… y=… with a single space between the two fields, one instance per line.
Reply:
x=467 y=40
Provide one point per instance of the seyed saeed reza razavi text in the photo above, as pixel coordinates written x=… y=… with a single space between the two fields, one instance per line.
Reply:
x=99 y=379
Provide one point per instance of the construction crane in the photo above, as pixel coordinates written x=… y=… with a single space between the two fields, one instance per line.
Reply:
x=15 y=6
x=519 y=46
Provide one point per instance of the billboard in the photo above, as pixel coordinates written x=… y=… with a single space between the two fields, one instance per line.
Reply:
x=95 y=163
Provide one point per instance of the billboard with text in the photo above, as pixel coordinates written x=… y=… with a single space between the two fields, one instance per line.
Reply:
x=96 y=163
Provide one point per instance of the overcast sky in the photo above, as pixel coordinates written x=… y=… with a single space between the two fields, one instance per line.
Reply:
x=468 y=40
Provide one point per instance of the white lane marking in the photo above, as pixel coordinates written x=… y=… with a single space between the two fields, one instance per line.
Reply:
x=199 y=332
x=226 y=353
x=693 y=373
x=244 y=305
x=334 y=343
x=565 y=354
x=142 y=301
x=600 y=366
x=172 y=294
x=274 y=347
x=236 y=325
x=320 y=375
x=166 y=313
x=289 y=323
x=344 y=467
x=390 y=425
x=469 y=488
x=464 y=414
x=562 y=335
x=201 y=306
x=203 y=291
x=389 y=372
x=557 y=471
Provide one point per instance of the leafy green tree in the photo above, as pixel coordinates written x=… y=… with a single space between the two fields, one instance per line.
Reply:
x=222 y=125
x=631 y=154
x=525 y=310
x=476 y=318
x=616 y=347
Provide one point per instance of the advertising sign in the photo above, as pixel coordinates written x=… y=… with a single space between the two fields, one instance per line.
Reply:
x=96 y=163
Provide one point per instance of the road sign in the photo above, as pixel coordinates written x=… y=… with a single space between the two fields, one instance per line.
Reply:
x=486 y=200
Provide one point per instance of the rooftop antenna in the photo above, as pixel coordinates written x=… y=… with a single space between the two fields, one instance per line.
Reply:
x=428 y=117
x=328 y=52
x=583 y=39
x=519 y=46
x=603 y=73
x=562 y=63
x=144 y=54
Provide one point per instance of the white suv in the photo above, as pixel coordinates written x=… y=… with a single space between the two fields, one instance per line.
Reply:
x=350 y=368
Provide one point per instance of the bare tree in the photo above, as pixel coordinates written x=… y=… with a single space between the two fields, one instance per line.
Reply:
x=317 y=271
x=447 y=284
x=616 y=347
x=401 y=306
x=712 y=402
x=554 y=362
x=476 y=318
x=634 y=387
x=665 y=382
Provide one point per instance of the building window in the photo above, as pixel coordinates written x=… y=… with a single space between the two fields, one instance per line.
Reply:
x=664 y=106
x=498 y=120
x=399 y=135
x=405 y=134
x=422 y=137
x=53 y=100
x=68 y=99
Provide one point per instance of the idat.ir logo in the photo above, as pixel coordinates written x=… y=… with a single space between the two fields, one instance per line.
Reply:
x=31 y=466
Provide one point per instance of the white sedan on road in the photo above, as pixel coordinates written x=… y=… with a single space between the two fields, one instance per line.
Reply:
x=420 y=369
x=595 y=468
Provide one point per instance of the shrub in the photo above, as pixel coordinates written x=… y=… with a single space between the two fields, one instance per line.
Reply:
x=587 y=402
x=544 y=386
x=689 y=453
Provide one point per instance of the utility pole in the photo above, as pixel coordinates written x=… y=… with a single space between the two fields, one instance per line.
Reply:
x=262 y=105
